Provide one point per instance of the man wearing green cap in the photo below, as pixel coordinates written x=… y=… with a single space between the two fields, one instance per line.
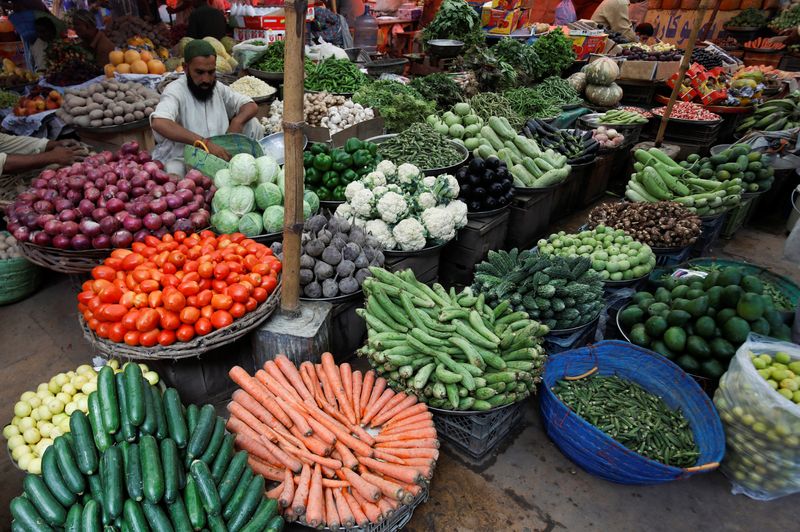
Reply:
x=195 y=107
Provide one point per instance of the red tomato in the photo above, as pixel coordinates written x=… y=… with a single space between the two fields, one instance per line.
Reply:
x=184 y=333
x=132 y=338
x=149 y=338
x=261 y=268
x=221 y=302
x=140 y=300
x=219 y=286
x=204 y=298
x=203 y=326
x=179 y=235
x=260 y=294
x=104 y=272
x=169 y=268
x=85 y=296
x=238 y=293
x=221 y=270
x=166 y=338
x=102 y=329
x=238 y=310
x=177 y=258
x=174 y=301
x=155 y=299
x=131 y=261
x=269 y=283
x=114 y=263
x=191 y=266
x=117 y=332
x=127 y=299
x=94 y=304
x=221 y=318
x=189 y=288
x=100 y=284
x=190 y=315
x=112 y=312
x=204 y=284
x=147 y=320
x=251 y=304
x=169 y=320
x=141 y=274
x=205 y=270
x=148 y=286
x=93 y=323
x=207 y=311
x=129 y=320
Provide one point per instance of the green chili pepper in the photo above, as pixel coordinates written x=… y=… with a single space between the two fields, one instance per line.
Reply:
x=353 y=145
x=313 y=176
x=323 y=162
x=341 y=160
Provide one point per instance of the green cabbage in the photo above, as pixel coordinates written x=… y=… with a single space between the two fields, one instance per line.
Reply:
x=243 y=169
x=250 y=224
x=312 y=199
x=273 y=219
x=306 y=210
x=225 y=221
x=223 y=179
x=267 y=195
x=222 y=198
x=267 y=169
x=242 y=200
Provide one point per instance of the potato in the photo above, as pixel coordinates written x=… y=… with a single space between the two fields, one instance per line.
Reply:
x=129 y=117
x=97 y=114
x=108 y=121
x=118 y=120
x=96 y=123
x=108 y=113
x=94 y=106
x=79 y=111
x=138 y=115
x=84 y=121
x=139 y=106
x=111 y=94
x=148 y=111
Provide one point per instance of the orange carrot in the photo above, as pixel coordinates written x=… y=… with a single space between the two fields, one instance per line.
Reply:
x=375 y=407
x=328 y=482
x=413 y=453
x=346 y=518
x=403 y=473
x=256 y=449
x=393 y=407
x=314 y=444
x=341 y=433
x=410 y=413
x=298 y=420
x=431 y=443
x=358 y=380
x=394 y=504
x=367 y=490
x=236 y=409
x=398 y=427
x=311 y=370
x=321 y=432
x=301 y=493
x=387 y=487
x=426 y=424
x=371 y=510
x=253 y=387
x=327 y=387
x=263 y=469
x=385 y=507
x=293 y=376
x=288 y=461
x=237 y=426
x=414 y=434
x=308 y=455
x=255 y=408
x=346 y=374
x=413 y=489
x=363 y=435
x=275 y=372
x=346 y=456
x=315 y=512
x=366 y=391
x=332 y=519
x=328 y=472
x=289 y=516
x=308 y=381
x=273 y=387
x=334 y=378
x=355 y=508
x=275 y=492
x=287 y=494
x=386 y=456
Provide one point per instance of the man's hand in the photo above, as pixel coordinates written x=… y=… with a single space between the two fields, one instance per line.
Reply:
x=68 y=143
x=218 y=151
x=64 y=156
x=235 y=127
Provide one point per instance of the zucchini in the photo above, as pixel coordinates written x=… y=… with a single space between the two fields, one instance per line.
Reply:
x=101 y=438
x=26 y=515
x=176 y=423
x=266 y=510
x=73 y=522
x=133 y=472
x=162 y=430
x=43 y=500
x=245 y=510
x=91 y=518
x=52 y=477
x=179 y=516
x=214 y=443
x=156 y=518
x=216 y=524
x=85 y=450
x=192 y=413
x=237 y=496
x=202 y=432
x=126 y=428
x=109 y=405
x=194 y=506
x=134 y=516
x=275 y=524
x=150 y=423
x=112 y=482
x=206 y=487
x=223 y=459
x=233 y=473
x=66 y=464
x=152 y=472
x=134 y=393
x=170 y=462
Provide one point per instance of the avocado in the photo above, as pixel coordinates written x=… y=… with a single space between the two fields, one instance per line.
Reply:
x=663 y=295
x=645 y=304
x=694 y=293
x=661 y=348
x=750 y=306
x=735 y=330
x=714 y=296
x=760 y=326
x=679 y=291
x=724 y=315
x=697 y=347
x=630 y=316
x=656 y=309
x=774 y=318
x=638 y=297
x=680 y=304
x=710 y=280
x=688 y=363
x=675 y=339
x=655 y=326
x=697 y=307
x=704 y=326
x=729 y=276
x=722 y=349
x=782 y=332
x=639 y=336
x=730 y=296
x=751 y=283
x=678 y=318
x=696 y=285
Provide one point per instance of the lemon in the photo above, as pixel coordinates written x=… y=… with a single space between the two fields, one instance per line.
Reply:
x=10 y=430
x=765 y=373
x=759 y=364
x=796 y=397
x=795 y=366
x=782 y=357
x=22 y=409
x=773 y=384
x=790 y=385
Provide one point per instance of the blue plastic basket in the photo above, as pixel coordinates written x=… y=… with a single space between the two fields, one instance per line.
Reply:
x=601 y=455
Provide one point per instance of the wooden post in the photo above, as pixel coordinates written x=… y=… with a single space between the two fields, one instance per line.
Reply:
x=711 y=20
x=687 y=58
x=293 y=74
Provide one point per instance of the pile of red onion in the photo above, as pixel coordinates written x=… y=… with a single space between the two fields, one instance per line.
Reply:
x=110 y=200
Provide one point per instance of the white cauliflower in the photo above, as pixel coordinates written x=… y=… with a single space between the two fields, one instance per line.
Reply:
x=458 y=210
x=446 y=186
x=352 y=188
x=426 y=200
x=345 y=210
x=439 y=223
x=363 y=202
x=387 y=168
x=429 y=181
x=392 y=207
x=379 y=190
x=409 y=234
x=407 y=174
x=394 y=188
x=382 y=232
x=374 y=179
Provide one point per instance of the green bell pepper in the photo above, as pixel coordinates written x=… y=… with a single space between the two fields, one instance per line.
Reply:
x=362 y=158
x=330 y=179
x=318 y=148
x=308 y=159
x=341 y=160
x=348 y=176
x=313 y=176
x=323 y=162
x=323 y=193
x=353 y=145
x=338 y=193
x=361 y=172
x=371 y=147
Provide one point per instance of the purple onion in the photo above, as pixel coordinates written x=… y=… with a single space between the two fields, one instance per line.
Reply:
x=140 y=235
x=76 y=182
x=62 y=242
x=150 y=167
x=39 y=182
x=12 y=226
x=114 y=205
x=185 y=194
x=173 y=201
x=124 y=185
x=62 y=204
x=158 y=205
x=101 y=242
x=138 y=191
x=121 y=215
x=139 y=208
x=205 y=182
x=52 y=227
x=161 y=177
x=132 y=223
x=129 y=148
x=26 y=197
x=123 y=196
x=183 y=224
x=22 y=233
x=209 y=195
x=121 y=239
x=31 y=220
x=158 y=191
x=80 y=242
x=160 y=232
x=109 y=224
x=40 y=238
x=199 y=198
x=69 y=229
x=137 y=181
x=52 y=182
x=86 y=207
x=67 y=215
x=89 y=227
x=99 y=213
x=168 y=218
x=143 y=157
x=49 y=194
x=170 y=187
x=47 y=174
x=199 y=219
x=182 y=212
x=92 y=194
x=152 y=221
x=186 y=183
x=150 y=185
x=73 y=195
x=44 y=207
x=94 y=174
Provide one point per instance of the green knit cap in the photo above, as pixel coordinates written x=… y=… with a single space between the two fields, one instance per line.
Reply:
x=198 y=48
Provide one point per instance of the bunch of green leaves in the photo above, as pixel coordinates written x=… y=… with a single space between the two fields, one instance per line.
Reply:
x=555 y=53
x=456 y=19
x=440 y=88
x=521 y=56
x=398 y=104
x=491 y=73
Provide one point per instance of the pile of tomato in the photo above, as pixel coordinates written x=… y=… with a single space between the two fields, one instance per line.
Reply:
x=174 y=288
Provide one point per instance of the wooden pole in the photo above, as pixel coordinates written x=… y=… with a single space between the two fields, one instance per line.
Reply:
x=687 y=58
x=711 y=20
x=293 y=74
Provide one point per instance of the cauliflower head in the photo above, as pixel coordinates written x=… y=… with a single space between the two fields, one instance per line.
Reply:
x=458 y=210
x=407 y=174
x=352 y=188
x=392 y=207
x=374 y=179
x=409 y=234
x=382 y=233
x=426 y=200
x=429 y=181
x=387 y=168
x=439 y=223
x=363 y=202
x=345 y=210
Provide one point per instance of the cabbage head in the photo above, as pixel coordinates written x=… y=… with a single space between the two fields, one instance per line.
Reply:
x=222 y=198
x=267 y=169
x=250 y=224
x=225 y=221
x=243 y=169
x=223 y=179
x=273 y=219
x=267 y=195
x=242 y=200
x=306 y=210
x=312 y=199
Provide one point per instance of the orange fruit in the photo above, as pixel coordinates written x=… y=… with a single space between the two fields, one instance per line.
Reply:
x=131 y=56
x=145 y=56
x=139 y=67
x=116 y=57
x=154 y=66
x=124 y=68
x=109 y=70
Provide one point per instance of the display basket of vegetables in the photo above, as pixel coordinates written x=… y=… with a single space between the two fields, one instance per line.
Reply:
x=665 y=428
x=631 y=132
x=446 y=162
x=199 y=158
x=63 y=260
x=18 y=277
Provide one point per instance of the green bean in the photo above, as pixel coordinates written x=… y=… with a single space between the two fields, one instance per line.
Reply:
x=421 y=146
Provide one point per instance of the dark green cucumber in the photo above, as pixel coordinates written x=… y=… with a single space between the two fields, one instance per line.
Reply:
x=134 y=516
x=66 y=464
x=150 y=423
x=214 y=443
x=192 y=413
x=266 y=510
x=95 y=482
x=176 y=422
x=179 y=516
x=170 y=462
x=206 y=487
x=275 y=524
x=162 y=429
x=156 y=517
x=54 y=480
x=202 y=431
x=194 y=506
x=73 y=522
x=216 y=524
x=234 y=471
x=109 y=405
x=223 y=458
x=133 y=472
x=26 y=515
x=134 y=393
x=126 y=428
x=91 y=518
x=44 y=501
x=245 y=510
x=113 y=479
x=85 y=449
x=152 y=472
x=236 y=498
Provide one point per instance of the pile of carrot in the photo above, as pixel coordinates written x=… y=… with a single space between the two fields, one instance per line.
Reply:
x=306 y=428
x=764 y=43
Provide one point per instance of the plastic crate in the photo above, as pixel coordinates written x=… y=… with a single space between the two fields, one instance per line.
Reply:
x=558 y=341
x=395 y=522
x=671 y=257
x=477 y=433
x=529 y=217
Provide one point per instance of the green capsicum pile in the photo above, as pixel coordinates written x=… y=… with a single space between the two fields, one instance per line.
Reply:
x=328 y=171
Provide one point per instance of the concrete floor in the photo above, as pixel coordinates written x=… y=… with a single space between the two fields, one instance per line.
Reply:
x=525 y=485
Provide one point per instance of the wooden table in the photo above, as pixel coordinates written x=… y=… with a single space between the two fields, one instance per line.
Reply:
x=385 y=25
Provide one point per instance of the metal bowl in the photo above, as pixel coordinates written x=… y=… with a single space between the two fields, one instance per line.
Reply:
x=386 y=66
x=273 y=146
x=431 y=171
x=353 y=54
x=445 y=48
x=276 y=77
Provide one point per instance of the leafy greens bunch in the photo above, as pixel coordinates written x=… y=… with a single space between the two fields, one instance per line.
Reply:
x=456 y=19
x=399 y=105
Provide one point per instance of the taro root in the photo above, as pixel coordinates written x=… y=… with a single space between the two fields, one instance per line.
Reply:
x=665 y=224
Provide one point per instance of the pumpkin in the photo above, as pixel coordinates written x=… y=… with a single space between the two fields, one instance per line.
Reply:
x=154 y=66
x=604 y=96
x=578 y=81
x=131 y=56
x=601 y=72
x=116 y=57
x=139 y=67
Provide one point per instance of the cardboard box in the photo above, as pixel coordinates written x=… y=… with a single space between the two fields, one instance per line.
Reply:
x=500 y=22
x=666 y=69
x=243 y=34
x=638 y=70
x=585 y=44
x=363 y=130
x=507 y=5
x=274 y=21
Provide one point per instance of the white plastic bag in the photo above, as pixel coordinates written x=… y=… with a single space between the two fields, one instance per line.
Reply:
x=762 y=427
x=246 y=51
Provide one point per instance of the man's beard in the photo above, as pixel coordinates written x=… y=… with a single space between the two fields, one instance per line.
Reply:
x=201 y=93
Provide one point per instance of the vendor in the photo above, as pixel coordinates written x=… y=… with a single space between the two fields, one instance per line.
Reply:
x=206 y=21
x=196 y=107
x=96 y=41
x=613 y=14
x=644 y=32
x=20 y=154
x=45 y=34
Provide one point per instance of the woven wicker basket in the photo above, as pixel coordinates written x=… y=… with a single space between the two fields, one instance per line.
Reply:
x=11 y=185
x=64 y=260
x=192 y=348
x=18 y=279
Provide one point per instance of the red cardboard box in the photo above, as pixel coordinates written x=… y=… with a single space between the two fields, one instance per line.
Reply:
x=584 y=44
x=501 y=22
x=270 y=36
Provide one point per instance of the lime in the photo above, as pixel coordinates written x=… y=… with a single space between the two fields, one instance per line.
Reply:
x=796 y=397
x=738 y=411
x=795 y=366
x=765 y=373
x=778 y=365
x=759 y=363
x=786 y=393
x=766 y=358
x=773 y=384
x=791 y=385
x=782 y=357
x=780 y=374
x=748 y=419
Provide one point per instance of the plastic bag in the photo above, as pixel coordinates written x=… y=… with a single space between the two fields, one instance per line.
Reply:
x=762 y=427
x=565 y=13
x=245 y=52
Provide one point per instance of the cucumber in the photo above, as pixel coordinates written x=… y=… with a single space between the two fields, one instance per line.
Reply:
x=150 y=423
x=43 y=500
x=216 y=524
x=134 y=393
x=206 y=487
x=54 y=480
x=95 y=486
x=134 y=516
x=170 y=463
x=245 y=510
x=192 y=413
x=91 y=518
x=101 y=438
x=275 y=524
x=126 y=428
x=162 y=430
x=214 y=443
x=202 y=432
x=152 y=472
x=112 y=482
x=109 y=405
x=223 y=458
x=194 y=506
x=238 y=494
x=73 y=522
x=27 y=516
x=66 y=464
x=266 y=510
x=176 y=423
x=85 y=450
x=156 y=518
x=234 y=471
x=133 y=472
x=179 y=516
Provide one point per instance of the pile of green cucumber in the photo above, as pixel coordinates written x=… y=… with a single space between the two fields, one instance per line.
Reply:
x=451 y=350
x=620 y=117
x=658 y=178
x=139 y=461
